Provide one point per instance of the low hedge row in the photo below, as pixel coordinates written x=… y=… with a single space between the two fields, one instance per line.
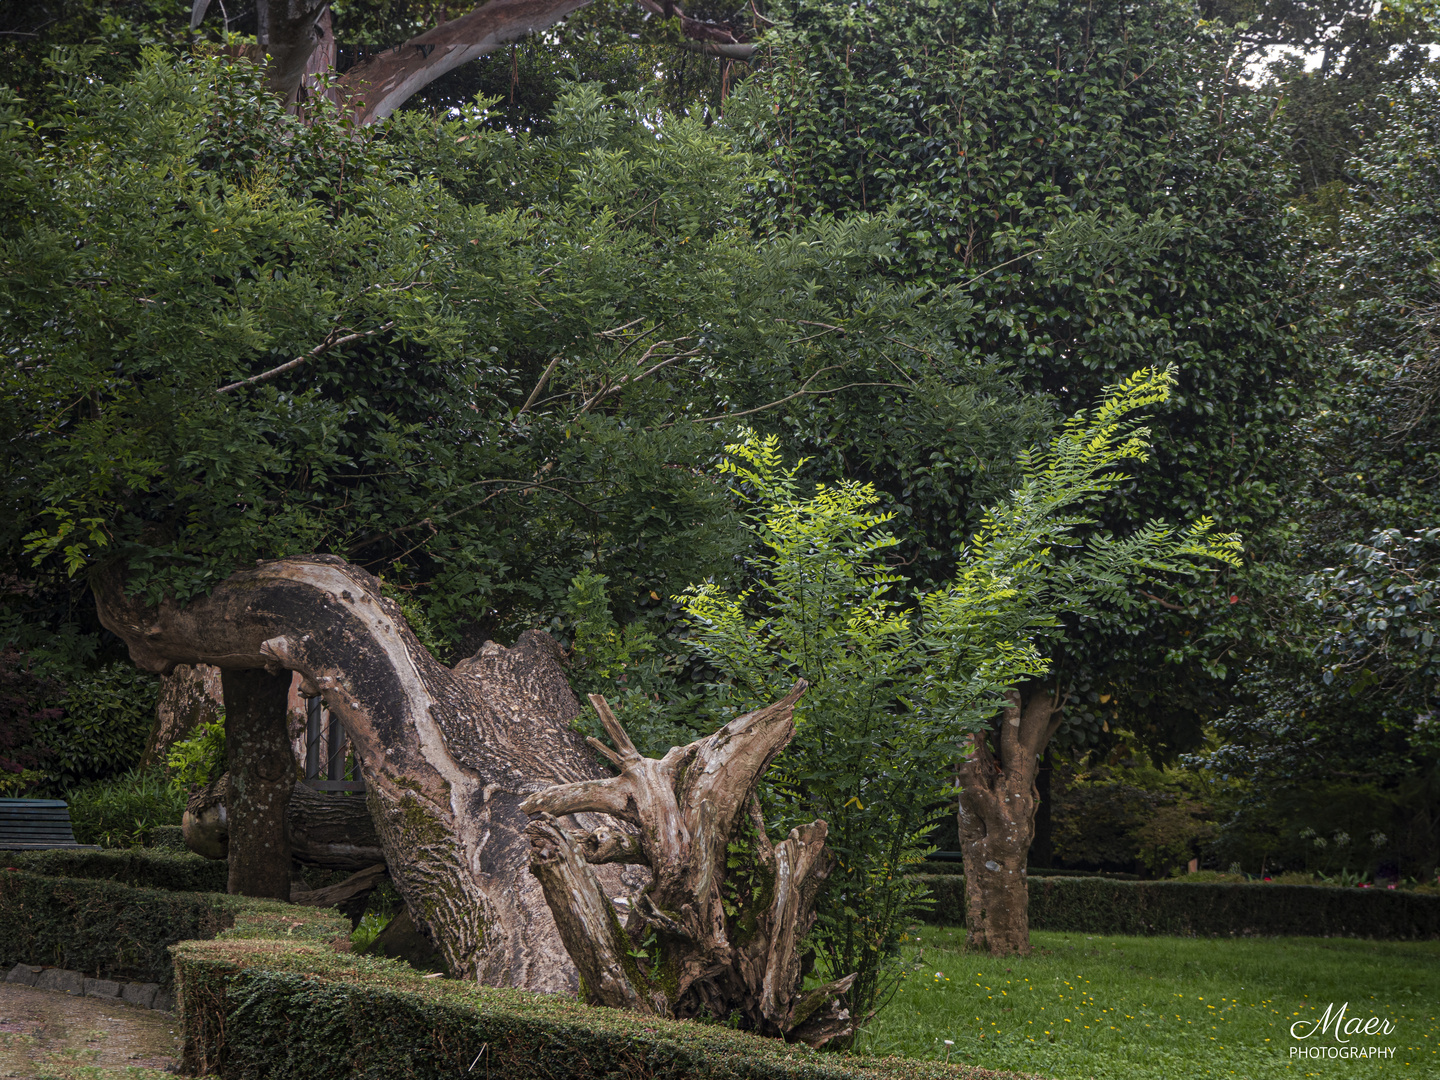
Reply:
x=145 y=868
x=1107 y=906
x=109 y=930
x=273 y=1009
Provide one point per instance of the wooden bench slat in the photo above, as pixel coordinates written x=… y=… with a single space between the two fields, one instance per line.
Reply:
x=29 y=824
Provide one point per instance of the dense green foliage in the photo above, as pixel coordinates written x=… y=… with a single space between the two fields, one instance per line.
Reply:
x=1334 y=727
x=124 y=810
x=897 y=684
x=63 y=724
x=487 y=301
x=195 y=761
x=1332 y=65
x=1090 y=180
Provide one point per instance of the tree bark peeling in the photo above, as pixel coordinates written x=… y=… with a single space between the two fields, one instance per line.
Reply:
x=447 y=755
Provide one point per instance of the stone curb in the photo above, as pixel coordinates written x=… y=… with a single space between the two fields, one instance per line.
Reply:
x=145 y=995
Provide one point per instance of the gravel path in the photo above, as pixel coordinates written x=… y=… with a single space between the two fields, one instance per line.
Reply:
x=46 y=1035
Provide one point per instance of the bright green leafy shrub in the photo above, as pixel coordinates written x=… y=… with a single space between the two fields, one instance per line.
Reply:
x=195 y=761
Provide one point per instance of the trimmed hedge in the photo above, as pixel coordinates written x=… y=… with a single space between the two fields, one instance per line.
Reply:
x=276 y=1009
x=1107 y=906
x=144 y=868
x=109 y=930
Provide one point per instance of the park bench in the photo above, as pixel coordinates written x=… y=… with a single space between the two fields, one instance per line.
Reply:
x=28 y=824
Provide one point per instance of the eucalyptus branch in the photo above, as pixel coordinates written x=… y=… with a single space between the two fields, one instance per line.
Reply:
x=539 y=386
x=606 y=391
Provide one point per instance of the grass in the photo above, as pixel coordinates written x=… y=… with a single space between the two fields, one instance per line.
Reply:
x=1162 y=1008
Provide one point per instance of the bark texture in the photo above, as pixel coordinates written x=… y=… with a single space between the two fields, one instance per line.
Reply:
x=261 y=770
x=298 y=37
x=330 y=831
x=378 y=86
x=998 y=798
x=718 y=929
x=189 y=696
x=447 y=755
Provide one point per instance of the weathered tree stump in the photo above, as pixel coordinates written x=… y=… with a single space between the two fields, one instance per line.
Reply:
x=718 y=930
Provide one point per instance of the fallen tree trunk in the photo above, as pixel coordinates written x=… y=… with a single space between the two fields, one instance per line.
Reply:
x=447 y=754
x=718 y=930
x=330 y=831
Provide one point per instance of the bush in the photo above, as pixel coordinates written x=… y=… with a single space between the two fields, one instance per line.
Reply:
x=22 y=693
x=125 y=811
x=103 y=928
x=277 y=1009
x=1108 y=906
x=108 y=716
x=175 y=871
x=63 y=726
x=195 y=761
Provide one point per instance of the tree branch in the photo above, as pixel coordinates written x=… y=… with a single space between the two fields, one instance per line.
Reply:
x=331 y=342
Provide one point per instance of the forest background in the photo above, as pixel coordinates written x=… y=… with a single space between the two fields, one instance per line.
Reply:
x=906 y=239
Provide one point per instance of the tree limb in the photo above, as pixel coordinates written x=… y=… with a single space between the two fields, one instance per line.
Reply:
x=331 y=342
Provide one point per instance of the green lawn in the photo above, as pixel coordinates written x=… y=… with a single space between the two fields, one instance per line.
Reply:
x=1152 y=1008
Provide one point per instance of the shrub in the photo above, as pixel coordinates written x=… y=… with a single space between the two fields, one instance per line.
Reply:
x=108 y=716
x=195 y=761
x=277 y=1009
x=146 y=868
x=1108 y=906
x=103 y=928
x=124 y=811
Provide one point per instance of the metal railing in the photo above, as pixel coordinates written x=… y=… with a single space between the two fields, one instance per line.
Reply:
x=326 y=747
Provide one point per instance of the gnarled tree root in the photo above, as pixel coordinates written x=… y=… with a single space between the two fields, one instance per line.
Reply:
x=711 y=934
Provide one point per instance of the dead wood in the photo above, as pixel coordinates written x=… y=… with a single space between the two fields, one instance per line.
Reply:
x=330 y=831
x=719 y=929
x=447 y=754
x=352 y=888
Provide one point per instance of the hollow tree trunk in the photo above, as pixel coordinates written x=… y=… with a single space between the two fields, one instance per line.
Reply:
x=718 y=930
x=261 y=768
x=997 y=820
x=447 y=755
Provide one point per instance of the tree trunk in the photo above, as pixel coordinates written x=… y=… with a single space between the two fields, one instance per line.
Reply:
x=330 y=831
x=997 y=820
x=379 y=85
x=718 y=930
x=261 y=767
x=333 y=831
x=447 y=755
x=189 y=697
